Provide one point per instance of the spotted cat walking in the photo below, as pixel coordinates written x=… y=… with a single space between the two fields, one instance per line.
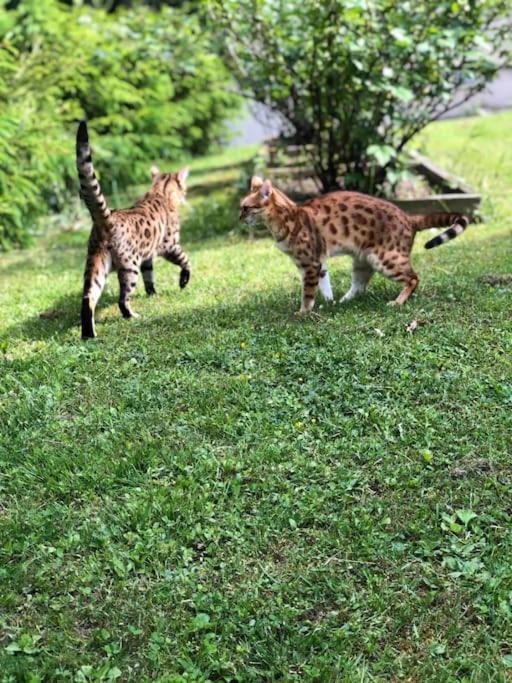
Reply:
x=127 y=240
x=378 y=235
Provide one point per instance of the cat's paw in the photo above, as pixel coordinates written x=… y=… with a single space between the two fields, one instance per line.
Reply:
x=127 y=312
x=184 y=278
x=347 y=297
x=306 y=313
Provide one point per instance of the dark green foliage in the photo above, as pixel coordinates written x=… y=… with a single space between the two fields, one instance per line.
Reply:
x=113 y=5
x=34 y=161
x=358 y=78
x=147 y=81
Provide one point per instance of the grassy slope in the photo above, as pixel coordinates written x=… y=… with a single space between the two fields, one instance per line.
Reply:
x=219 y=490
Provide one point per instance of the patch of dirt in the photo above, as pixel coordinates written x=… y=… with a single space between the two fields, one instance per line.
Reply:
x=471 y=466
x=319 y=612
x=497 y=279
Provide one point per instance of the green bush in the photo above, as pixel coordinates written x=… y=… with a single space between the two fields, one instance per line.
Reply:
x=148 y=82
x=354 y=80
x=34 y=161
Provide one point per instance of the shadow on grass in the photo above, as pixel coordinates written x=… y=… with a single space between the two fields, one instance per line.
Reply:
x=271 y=309
x=54 y=321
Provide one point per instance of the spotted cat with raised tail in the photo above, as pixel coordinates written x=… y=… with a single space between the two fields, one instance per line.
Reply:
x=378 y=235
x=127 y=240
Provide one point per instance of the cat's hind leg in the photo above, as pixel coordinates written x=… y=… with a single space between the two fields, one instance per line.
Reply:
x=362 y=272
x=148 y=276
x=410 y=281
x=397 y=266
x=98 y=266
x=127 y=282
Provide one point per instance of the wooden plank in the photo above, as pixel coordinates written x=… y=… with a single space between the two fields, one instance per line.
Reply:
x=460 y=198
x=467 y=204
x=439 y=176
x=290 y=171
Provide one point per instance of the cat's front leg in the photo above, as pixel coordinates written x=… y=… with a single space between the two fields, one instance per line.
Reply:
x=310 y=280
x=325 y=284
x=177 y=256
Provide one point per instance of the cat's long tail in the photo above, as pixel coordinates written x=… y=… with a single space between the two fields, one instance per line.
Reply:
x=90 y=189
x=457 y=222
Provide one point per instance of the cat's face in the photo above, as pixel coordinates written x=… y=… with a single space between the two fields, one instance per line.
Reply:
x=171 y=185
x=254 y=206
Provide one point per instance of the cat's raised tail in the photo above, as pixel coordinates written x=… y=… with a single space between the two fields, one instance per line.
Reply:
x=457 y=222
x=90 y=189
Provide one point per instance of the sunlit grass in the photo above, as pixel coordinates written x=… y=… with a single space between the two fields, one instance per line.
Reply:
x=220 y=491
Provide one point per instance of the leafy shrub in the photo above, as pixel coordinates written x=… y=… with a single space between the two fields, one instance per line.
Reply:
x=148 y=82
x=212 y=216
x=216 y=211
x=357 y=79
x=34 y=162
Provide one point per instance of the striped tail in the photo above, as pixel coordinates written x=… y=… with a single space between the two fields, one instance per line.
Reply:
x=90 y=189
x=457 y=222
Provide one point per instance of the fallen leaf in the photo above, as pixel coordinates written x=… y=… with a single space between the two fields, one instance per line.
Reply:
x=427 y=455
x=411 y=327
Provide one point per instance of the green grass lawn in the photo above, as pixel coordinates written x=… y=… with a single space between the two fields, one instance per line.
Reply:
x=219 y=491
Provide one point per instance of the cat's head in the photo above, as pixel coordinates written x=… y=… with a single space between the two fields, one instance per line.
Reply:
x=255 y=205
x=173 y=186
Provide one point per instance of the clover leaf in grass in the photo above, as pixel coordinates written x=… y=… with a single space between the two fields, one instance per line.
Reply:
x=438 y=649
x=201 y=621
x=26 y=644
x=465 y=516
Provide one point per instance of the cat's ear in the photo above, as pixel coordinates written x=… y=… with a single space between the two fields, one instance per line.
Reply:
x=183 y=175
x=256 y=183
x=266 y=190
x=154 y=171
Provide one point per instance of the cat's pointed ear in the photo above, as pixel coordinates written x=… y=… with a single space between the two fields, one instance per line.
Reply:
x=154 y=171
x=256 y=183
x=266 y=190
x=183 y=175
